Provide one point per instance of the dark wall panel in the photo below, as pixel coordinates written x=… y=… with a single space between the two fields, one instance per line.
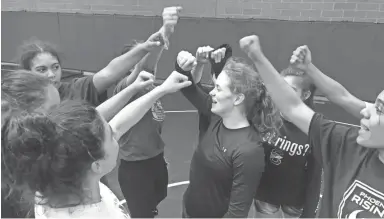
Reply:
x=352 y=53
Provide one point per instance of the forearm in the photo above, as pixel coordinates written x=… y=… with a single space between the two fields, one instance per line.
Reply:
x=195 y=95
x=133 y=112
x=113 y=105
x=335 y=92
x=150 y=61
x=118 y=68
x=197 y=72
x=148 y=64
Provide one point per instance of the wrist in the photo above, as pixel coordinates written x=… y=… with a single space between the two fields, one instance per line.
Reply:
x=256 y=56
x=200 y=63
x=310 y=68
x=160 y=90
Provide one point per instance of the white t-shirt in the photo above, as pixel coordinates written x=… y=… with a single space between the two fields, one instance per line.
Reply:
x=108 y=208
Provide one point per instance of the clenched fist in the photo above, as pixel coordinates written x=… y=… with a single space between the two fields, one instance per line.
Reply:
x=301 y=58
x=251 y=46
x=186 y=61
x=175 y=82
x=170 y=18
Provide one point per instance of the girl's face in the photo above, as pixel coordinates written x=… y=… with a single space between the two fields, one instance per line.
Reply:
x=296 y=83
x=223 y=99
x=371 y=133
x=48 y=65
x=111 y=150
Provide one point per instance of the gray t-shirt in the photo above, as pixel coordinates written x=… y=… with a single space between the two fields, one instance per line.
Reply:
x=142 y=141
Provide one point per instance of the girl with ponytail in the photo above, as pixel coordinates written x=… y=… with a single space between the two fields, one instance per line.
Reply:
x=229 y=160
x=289 y=160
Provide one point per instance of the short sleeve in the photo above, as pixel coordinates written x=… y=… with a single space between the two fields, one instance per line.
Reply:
x=331 y=141
x=84 y=89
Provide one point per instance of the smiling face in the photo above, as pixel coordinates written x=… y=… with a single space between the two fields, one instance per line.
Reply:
x=371 y=134
x=223 y=99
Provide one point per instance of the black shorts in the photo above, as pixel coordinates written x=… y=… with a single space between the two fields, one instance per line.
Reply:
x=144 y=185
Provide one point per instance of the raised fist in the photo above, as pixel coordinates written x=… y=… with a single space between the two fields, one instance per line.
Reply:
x=186 y=61
x=144 y=80
x=202 y=54
x=175 y=82
x=218 y=54
x=170 y=18
x=301 y=58
x=251 y=46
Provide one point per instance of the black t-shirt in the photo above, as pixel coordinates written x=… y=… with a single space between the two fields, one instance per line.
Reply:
x=226 y=167
x=83 y=89
x=284 y=180
x=353 y=175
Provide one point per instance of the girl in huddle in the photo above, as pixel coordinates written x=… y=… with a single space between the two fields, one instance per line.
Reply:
x=229 y=160
x=60 y=156
x=352 y=158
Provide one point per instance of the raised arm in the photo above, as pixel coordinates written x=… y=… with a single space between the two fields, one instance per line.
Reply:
x=199 y=99
x=282 y=94
x=334 y=91
x=133 y=112
x=202 y=59
x=119 y=66
x=113 y=105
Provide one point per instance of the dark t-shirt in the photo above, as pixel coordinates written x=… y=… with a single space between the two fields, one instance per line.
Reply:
x=353 y=175
x=284 y=181
x=83 y=89
x=226 y=167
x=143 y=140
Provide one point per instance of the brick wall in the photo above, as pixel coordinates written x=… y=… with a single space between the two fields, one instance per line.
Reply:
x=303 y=10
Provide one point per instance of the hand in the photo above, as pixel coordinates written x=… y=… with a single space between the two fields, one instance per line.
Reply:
x=154 y=41
x=175 y=82
x=218 y=54
x=202 y=54
x=301 y=58
x=170 y=18
x=186 y=60
x=251 y=46
x=144 y=80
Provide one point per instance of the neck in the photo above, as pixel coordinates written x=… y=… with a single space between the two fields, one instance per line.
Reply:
x=90 y=195
x=381 y=155
x=235 y=120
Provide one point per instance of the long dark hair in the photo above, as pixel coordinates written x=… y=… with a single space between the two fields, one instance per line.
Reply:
x=50 y=153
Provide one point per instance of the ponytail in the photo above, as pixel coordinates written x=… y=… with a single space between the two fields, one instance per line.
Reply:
x=26 y=140
x=264 y=115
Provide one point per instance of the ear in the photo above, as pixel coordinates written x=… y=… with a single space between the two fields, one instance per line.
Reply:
x=239 y=99
x=306 y=94
x=96 y=167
